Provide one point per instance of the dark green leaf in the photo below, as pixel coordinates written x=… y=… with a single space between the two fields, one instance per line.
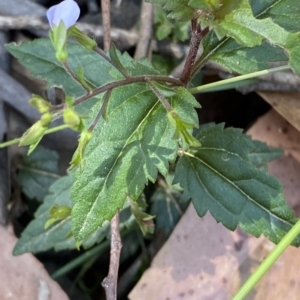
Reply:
x=39 y=57
x=262 y=154
x=35 y=238
x=37 y=172
x=166 y=208
x=285 y=13
x=179 y=9
x=220 y=178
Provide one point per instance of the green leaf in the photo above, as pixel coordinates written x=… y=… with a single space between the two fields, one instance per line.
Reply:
x=38 y=56
x=37 y=172
x=119 y=160
x=220 y=178
x=237 y=58
x=285 y=13
x=167 y=209
x=179 y=9
x=35 y=238
x=262 y=154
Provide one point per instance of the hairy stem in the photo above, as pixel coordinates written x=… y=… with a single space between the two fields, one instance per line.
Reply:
x=160 y=97
x=101 y=111
x=122 y=82
x=109 y=60
x=109 y=283
x=74 y=76
x=197 y=36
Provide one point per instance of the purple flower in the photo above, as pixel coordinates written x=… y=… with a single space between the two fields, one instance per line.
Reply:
x=67 y=11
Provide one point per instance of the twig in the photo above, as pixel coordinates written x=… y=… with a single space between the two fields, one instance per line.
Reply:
x=75 y=77
x=197 y=36
x=126 y=81
x=105 y=9
x=145 y=35
x=109 y=283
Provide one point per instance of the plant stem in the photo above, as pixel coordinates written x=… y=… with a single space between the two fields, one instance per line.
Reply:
x=108 y=59
x=268 y=262
x=101 y=111
x=122 y=82
x=109 y=283
x=204 y=87
x=197 y=36
x=74 y=76
x=80 y=260
x=160 y=97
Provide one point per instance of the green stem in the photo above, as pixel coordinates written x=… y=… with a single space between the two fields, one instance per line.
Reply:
x=204 y=87
x=57 y=128
x=268 y=262
x=80 y=259
x=9 y=143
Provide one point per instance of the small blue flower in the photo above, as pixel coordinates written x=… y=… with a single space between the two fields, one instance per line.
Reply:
x=67 y=11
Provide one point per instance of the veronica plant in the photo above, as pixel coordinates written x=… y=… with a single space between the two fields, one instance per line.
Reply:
x=139 y=122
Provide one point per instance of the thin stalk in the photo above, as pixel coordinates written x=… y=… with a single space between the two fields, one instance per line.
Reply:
x=80 y=260
x=122 y=82
x=101 y=111
x=268 y=262
x=204 y=87
x=57 y=128
x=109 y=60
x=160 y=97
x=74 y=76
x=51 y=130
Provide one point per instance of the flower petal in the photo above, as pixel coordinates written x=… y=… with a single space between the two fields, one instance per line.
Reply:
x=67 y=11
x=50 y=14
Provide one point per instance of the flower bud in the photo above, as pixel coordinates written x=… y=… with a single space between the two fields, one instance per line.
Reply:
x=46 y=119
x=33 y=134
x=77 y=158
x=71 y=117
x=82 y=38
x=39 y=103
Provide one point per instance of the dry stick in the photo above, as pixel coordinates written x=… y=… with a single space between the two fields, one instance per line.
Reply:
x=105 y=8
x=145 y=34
x=197 y=36
x=109 y=283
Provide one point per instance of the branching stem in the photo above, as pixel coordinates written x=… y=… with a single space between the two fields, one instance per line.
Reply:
x=196 y=38
x=122 y=82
